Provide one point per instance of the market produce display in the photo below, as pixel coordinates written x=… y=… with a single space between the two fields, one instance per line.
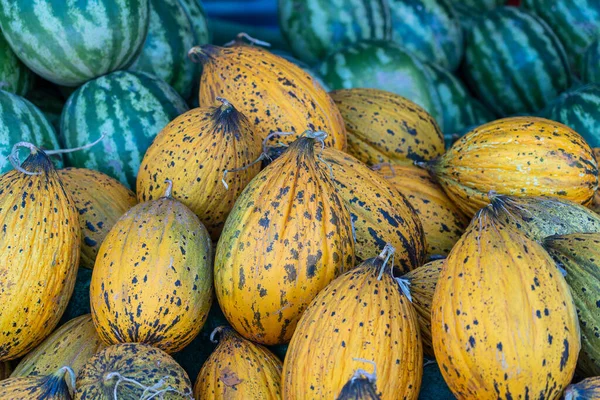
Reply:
x=386 y=199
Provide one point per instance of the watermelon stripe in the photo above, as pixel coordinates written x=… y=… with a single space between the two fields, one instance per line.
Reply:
x=69 y=44
x=22 y=121
x=130 y=109
x=480 y=5
x=315 y=28
x=15 y=77
x=514 y=62
x=429 y=29
x=575 y=22
x=170 y=36
x=579 y=109
x=590 y=69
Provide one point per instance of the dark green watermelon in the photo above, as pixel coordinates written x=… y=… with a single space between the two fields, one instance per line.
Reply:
x=129 y=108
x=171 y=35
x=79 y=304
x=48 y=98
x=430 y=29
x=575 y=22
x=71 y=42
x=21 y=121
x=514 y=62
x=590 y=68
x=15 y=77
x=382 y=65
x=460 y=110
x=579 y=109
x=316 y=28
x=479 y=5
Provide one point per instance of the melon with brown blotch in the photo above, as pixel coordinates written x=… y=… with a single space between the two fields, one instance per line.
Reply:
x=288 y=235
x=273 y=93
x=380 y=214
x=132 y=371
x=361 y=315
x=238 y=369
x=72 y=344
x=503 y=320
x=100 y=201
x=40 y=244
x=421 y=282
x=518 y=156
x=385 y=127
x=58 y=385
x=442 y=221
x=194 y=151
x=152 y=281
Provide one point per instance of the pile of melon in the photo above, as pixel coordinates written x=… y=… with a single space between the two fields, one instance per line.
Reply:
x=408 y=184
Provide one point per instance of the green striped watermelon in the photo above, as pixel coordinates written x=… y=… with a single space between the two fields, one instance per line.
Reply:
x=590 y=67
x=170 y=36
x=129 y=108
x=579 y=109
x=71 y=42
x=430 y=29
x=575 y=22
x=15 y=77
x=316 y=28
x=195 y=12
x=22 y=121
x=460 y=110
x=382 y=65
x=466 y=15
x=514 y=62
x=481 y=5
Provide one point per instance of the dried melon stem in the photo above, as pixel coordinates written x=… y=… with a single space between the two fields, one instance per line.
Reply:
x=150 y=392
x=13 y=157
x=221 y=329
x=360 y=373
x=71 y=381
x=169 y=189
x=385 y=255
x=239 y=38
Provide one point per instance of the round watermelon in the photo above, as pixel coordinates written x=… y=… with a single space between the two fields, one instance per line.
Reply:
x=590 y=67
x=430 y=29
x=15 y=77
x=21 y=121
x=382 y=65
x=575 y=22
x=461 y=110
x=71 y=42
x=514 y=62
x=579 y=109
x=467 y=16
x=129 y=108
x=170 y=36
x=316 y=28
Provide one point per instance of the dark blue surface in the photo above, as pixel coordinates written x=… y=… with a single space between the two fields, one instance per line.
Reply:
x=253 y=12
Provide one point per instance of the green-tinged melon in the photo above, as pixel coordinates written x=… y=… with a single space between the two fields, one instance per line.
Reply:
x=579 y=109
x=129 y=108
x=69 y=42
x=382 y=65
x=575 y=22
x=514 y=62
x=15 y=77
x=170 y=35
x=430 y=29
x=316 y=28
x=22 y=121
x=579 y=255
